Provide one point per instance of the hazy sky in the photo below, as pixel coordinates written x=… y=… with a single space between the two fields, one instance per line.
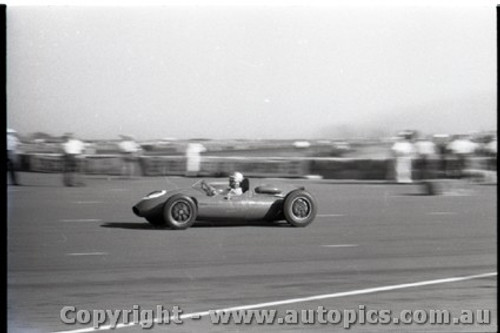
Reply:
x=250 y=71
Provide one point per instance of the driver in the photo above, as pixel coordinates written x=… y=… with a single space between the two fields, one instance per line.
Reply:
x=235 y=189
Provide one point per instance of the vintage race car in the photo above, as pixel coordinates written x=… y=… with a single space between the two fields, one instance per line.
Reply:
x=180 y=208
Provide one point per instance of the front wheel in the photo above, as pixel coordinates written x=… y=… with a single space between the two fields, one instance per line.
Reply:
x=180 y=212
x=299 y=208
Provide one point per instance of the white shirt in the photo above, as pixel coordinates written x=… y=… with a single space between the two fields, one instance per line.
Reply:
x=194 y=149
x=491 y=147
x=129 y=146
x=236 y=191
x=461 y=146
x=73 y=147
x=12 y=142
x=425 y=148
x=403 y=148
x=232 y=192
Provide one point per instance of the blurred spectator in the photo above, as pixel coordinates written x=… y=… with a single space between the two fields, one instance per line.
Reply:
x=12 y=155
x=426 y=151
x=131 y=151
x=193 y=152
x=491 y=151
x=403 y=151
x=72 y=160
x=441 y=143
x=461 y=148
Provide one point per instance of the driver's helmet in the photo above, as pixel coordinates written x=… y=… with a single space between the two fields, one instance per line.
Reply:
x=235 y=179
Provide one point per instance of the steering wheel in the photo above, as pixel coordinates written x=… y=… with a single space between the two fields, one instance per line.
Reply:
x=208 y=189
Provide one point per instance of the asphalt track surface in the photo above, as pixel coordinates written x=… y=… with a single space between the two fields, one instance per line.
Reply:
x=83 y=247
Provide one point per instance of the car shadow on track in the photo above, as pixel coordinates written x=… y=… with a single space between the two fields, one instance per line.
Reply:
x=414 y=194
x=26 y=186
x=129 y=225
x=199 y=224
x=230 y=223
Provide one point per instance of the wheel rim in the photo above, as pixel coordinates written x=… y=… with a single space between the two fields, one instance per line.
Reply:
x=301 y=208
x=181 y=212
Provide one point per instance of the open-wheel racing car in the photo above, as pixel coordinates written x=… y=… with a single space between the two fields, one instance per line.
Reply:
x=180 y=208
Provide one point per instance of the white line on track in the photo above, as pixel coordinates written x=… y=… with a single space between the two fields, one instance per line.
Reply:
x=87 y=254
x=297 y=300
x=442 y=213
x=341 y=245
x=81 y=220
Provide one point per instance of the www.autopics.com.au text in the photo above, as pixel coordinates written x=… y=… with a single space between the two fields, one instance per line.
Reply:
x=346 y=318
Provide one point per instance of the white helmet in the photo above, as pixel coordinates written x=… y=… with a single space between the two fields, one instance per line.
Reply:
x=237 y=177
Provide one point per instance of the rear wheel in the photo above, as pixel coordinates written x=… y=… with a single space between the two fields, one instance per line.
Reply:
x=299 y=208
x=180 y=212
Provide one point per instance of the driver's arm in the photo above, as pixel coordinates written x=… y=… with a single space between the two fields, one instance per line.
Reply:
x=208 y=189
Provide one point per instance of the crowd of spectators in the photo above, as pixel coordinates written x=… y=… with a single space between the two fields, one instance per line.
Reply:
x=440 y=156
x=415 y=156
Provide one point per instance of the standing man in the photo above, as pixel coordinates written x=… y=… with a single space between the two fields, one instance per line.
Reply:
x=441 y=143
x=426 y=152
x=491 y=152
x=130 y=151
x=72 y=153
x=193 y=158
x=12 y=144
x=462 y=149
x=403 y=152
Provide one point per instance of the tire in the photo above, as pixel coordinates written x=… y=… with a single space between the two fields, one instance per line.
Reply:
x=299 y=208
x=180 y=212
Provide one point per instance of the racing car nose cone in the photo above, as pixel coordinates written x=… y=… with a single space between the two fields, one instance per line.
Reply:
x=136 y=211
